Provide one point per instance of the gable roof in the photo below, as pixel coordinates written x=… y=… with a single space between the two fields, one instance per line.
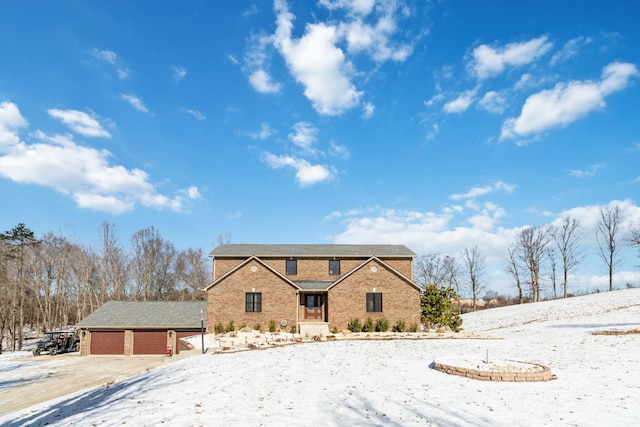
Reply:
x=383 y=264
x=147 y=314
x=312 y=250
x=245 y=262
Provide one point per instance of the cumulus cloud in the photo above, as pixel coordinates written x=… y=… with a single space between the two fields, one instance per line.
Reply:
x=493 y=101
x=317 y=63
x=461 y=103
x=567 y=102
x=135 y=102
x=304 y=136
x=319 y=60
x=82 y=173
x=368 y=110
x=306 y=173
x=488 y=61
x=80 y=122
x=263 y=83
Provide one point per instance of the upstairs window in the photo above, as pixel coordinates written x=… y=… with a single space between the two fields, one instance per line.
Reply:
x=292 y=267
x=253 y=302
x=334 y=267
x=374 y=302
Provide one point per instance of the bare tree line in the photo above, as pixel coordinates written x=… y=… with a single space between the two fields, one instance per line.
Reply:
x=555 y=249
x=50 y=282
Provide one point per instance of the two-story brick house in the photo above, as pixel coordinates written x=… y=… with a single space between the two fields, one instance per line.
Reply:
x=312 y=287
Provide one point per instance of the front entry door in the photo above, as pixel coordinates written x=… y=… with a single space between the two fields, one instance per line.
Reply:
x=313 y=306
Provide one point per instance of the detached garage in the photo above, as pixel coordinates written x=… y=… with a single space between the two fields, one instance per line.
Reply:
x=140 y=327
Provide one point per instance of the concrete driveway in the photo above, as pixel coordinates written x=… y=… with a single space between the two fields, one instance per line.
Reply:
x=26 y=381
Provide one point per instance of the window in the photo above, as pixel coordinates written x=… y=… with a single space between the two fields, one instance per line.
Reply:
x=253 y=302
x=334 y=266
x=292 y=266
x=374 y=302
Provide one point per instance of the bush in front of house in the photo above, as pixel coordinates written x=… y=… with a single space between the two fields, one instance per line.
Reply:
x=293 y=329
x=414 y=327
x=369 y=326
x=382 y=324
x=272 y=325
x=354 y=325
x=400 y=326
x=231 y=326
x=257 y=327
x=218 y=328
x=437 y=307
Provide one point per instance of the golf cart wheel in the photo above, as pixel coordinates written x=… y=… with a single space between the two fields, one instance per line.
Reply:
x=53 y=351
x=36 y=352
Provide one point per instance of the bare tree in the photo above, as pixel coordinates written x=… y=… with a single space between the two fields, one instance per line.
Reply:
x=436 y=269
x=115 y=266
x=531 y=243
x=634 y=237
x=474 y=264
x=193 y=270
x=551 y=254
x=566 y=237
x=154 y=262
x=513 y=269
x=607 y=234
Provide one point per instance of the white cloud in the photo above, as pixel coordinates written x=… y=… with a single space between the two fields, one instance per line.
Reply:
x=358 y=7
x=570 y=49
x=195 y=113
x=317 y=63
x=263 y=83
x=306 y=173
x=461 y=103
x=567 y=102
x=482 y=191
x=82 y=173
x=493 y=101
x=135 y=102
x=179 y=73
x=304 y=136
x=265 y=132
x=10 y=122
x=591 y=171
x=368 y=110
x=111 y=58
x=490 y=61
x=80 y=122
x=337 y=150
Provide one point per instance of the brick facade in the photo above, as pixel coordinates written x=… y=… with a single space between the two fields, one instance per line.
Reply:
x=283 y=296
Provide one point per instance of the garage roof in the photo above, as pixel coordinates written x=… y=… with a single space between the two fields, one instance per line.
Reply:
x=146 y=314
x=312 y=250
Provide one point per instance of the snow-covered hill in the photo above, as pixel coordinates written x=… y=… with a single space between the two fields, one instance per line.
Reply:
x=351 y=383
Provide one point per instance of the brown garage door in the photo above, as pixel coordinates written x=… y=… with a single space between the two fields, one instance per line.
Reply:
x=149 y=342
x=107 y=342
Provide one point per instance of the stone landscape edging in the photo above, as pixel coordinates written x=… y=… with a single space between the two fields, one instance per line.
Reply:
x=506 y=376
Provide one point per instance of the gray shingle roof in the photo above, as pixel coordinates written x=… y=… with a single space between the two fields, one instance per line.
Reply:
x=314 y=285
x=146 y=314
x=312 y=250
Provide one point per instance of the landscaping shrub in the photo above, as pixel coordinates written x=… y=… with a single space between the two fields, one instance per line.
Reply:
x=257 y=327
x=354 y=325
x=382 y=324
x=272 y=325
x=231 y=326
x=218 y=328
x=369 y=326
x=293 y=329
x=437 y=307
x=414 y=327
x=399 y=326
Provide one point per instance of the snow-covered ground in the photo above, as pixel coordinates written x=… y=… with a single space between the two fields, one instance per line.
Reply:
x=351 y=383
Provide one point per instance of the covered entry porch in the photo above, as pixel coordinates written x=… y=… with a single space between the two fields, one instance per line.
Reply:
x=313 y=307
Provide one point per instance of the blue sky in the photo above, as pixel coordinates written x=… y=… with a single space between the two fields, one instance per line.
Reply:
x=439 y=125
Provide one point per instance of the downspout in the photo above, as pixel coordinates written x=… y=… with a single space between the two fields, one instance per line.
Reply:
x=297 y=309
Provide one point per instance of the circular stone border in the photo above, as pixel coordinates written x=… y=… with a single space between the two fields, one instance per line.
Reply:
x=544 y=374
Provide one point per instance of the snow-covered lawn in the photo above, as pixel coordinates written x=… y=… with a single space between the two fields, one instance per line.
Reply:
x=351 y=383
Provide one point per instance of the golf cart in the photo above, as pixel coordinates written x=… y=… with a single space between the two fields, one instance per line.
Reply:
x=57 y=342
